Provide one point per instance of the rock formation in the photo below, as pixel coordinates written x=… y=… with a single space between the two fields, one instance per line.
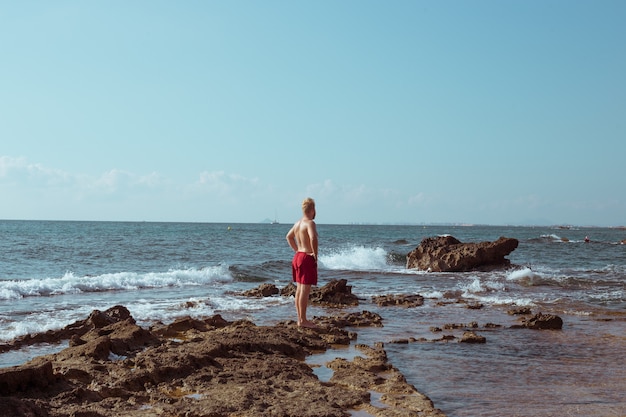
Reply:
x=541 y=321
x=336 y=293
x=199 y=368
x=404 y=300
x=448 y=254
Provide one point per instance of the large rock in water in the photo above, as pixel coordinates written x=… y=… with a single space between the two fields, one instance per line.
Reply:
x=448 y=254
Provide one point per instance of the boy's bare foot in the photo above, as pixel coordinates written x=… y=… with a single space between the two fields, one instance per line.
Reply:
x=308 y=324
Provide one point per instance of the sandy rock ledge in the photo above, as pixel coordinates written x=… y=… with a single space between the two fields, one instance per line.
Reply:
x=204 y=368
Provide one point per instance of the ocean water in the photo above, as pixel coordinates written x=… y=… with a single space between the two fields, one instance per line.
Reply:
x=54 y=273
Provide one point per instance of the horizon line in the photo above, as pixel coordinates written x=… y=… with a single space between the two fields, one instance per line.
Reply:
x=268 y=221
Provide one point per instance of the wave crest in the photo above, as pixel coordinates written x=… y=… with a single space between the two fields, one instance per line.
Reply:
x=356 y=258
x=72 y=284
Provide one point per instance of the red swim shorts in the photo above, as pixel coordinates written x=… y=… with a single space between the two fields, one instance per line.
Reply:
x=304 y=269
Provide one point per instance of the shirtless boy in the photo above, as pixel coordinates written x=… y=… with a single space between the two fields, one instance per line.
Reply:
x=303 y=240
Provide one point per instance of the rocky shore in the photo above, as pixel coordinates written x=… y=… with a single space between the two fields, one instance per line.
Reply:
x=209 y=367
x=214 y=367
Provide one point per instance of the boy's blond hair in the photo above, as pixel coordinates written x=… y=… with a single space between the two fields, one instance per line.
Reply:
x=308 y=204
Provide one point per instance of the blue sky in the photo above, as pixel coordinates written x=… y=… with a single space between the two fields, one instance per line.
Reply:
x=483 y=112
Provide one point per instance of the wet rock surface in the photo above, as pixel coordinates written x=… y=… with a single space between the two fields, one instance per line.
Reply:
x=264 y=290
x=404 y=300
x=336 y=293
x=541 y=321
x=206 y=367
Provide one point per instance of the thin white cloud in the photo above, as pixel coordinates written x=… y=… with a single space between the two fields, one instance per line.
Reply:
x=20 y=171
x=117 y=180
x=33 y=190
x=418 y=199
x=152 y=180
x=222 y=183
x=8 y=163
x=111 y=181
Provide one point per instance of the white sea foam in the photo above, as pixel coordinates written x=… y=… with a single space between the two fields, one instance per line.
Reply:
x=521 y=274
x=356 y=258
x=72 y=284
x=614 y=295
x=498 y=299
x=432 y=294
x=37 y=322
x=491 y=291
x=477 y=286
x=147 y=311
x=552 y=237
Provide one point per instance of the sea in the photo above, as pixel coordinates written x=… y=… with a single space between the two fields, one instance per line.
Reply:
x=53 y=273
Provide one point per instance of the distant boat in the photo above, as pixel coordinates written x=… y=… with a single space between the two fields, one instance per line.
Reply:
x=275 y=221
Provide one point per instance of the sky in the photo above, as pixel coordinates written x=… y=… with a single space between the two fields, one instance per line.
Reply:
x=391 y=112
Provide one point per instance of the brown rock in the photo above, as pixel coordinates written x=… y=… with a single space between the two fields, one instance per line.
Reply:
x=404 y=300
x=185 y=324
x=362 y=319
x=445 y=338
x=27 y=377
x=11 y=406
x=541 y=321
x=96 y=320
x=212 y=368
x=264 y=290
x=335 y=293
x=375 y=373
x=519 y=311
x=289 y=290
x=471 y=337
x=447 y=254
